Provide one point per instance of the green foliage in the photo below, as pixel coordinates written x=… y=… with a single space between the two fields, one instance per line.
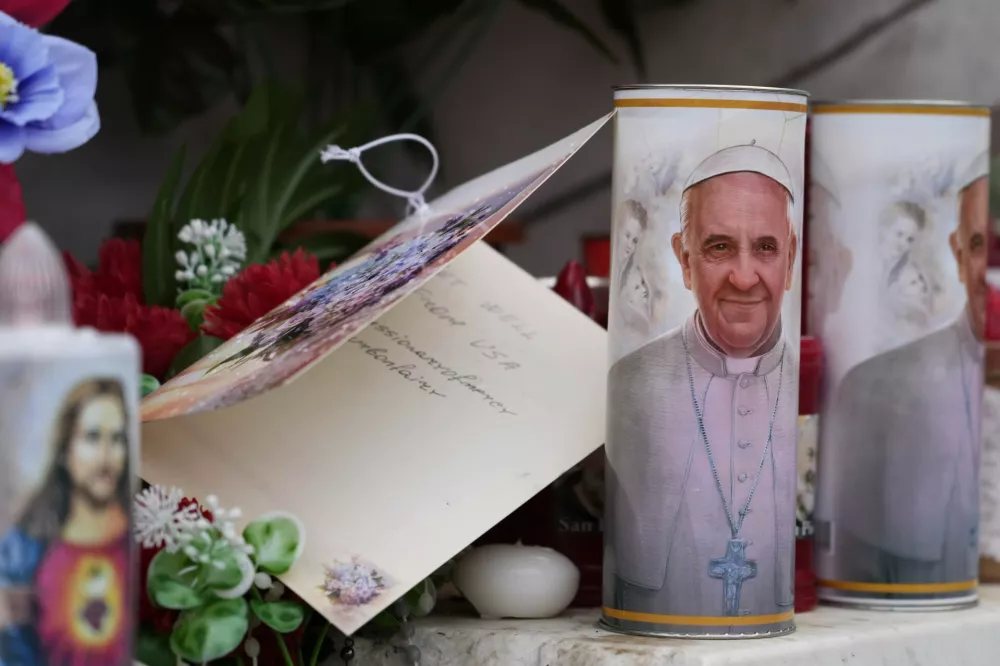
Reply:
x=208 y=578
x=153 y=649
x=262 y=173
x=210 y=631
x=148 y=384
x=282 y=616
x=192 y=304
x=168 y=587
x=277 y=539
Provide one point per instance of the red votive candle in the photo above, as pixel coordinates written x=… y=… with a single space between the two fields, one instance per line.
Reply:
x=810 y=381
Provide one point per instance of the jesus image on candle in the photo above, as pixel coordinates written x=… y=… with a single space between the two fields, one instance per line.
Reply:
x=701 y=430
x=65 y=581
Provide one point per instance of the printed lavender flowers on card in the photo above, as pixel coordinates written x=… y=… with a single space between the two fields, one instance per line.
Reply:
x=353 y=583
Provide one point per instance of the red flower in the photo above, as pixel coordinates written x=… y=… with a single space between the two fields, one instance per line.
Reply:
x=11 y=204
x=110 y=299
x=35 y=13
x=257 y=290
x=119 y=270
x=161 y=332
x=160 y=620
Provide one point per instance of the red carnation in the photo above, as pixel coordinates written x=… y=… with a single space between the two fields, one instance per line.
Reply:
x=161 y=332
x=118 y=274
x=257 y=290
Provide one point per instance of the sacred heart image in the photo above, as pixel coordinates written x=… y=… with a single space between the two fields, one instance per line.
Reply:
x=65 y=582
x=703 y=398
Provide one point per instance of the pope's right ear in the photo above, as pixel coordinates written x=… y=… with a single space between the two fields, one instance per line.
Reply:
x=677 y=243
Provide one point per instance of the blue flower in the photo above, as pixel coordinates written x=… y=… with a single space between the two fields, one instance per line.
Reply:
x=47 y=87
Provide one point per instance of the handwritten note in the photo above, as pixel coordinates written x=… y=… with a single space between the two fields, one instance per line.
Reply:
x=436 y=311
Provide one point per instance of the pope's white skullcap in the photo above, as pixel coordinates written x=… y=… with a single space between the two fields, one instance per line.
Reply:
x=748 y=157
x=979 y=168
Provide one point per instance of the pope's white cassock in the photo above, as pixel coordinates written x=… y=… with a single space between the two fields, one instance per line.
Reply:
x=904 y=438
x=668 y=517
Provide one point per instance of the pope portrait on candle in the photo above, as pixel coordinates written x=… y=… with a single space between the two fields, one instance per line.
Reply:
x=701 y=429
x=905 y=427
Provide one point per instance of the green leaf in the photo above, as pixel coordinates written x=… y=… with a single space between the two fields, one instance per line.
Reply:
x=620 y=17
x=158 y=244
x=193 y=312
x=559 y=13
x=278 y=539
x=235 y=578
x=167 y=587
x=193 y=352
x=152 y=649
x=210 y=632
x=282 y=616
x=190 y=295
x=148 y=384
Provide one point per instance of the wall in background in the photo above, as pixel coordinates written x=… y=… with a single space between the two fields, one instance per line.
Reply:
x=531 y=83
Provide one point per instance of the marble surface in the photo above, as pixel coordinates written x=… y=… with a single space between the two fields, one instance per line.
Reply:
x=825 y=637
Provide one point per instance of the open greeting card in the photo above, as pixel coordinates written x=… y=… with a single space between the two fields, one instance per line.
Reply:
x=401 y=405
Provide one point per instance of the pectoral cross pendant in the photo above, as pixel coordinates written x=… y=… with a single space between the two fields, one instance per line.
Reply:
x=733 y=569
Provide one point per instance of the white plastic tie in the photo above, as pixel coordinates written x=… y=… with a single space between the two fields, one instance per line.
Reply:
x=415 y=202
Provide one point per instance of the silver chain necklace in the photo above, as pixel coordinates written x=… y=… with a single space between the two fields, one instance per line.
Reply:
x=734 y=524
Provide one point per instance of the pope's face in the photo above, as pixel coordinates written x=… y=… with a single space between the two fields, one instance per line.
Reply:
x=968 y=242
x=738 y=258
x=631 y=230
x=98 y=449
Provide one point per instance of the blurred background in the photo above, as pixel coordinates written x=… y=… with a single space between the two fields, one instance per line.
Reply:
x=486 y=80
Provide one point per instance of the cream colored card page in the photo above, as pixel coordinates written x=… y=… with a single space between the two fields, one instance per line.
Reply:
x=410 y=441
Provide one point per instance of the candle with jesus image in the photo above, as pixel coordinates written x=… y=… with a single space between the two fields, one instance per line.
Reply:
x=701 y=473
x=68 y=432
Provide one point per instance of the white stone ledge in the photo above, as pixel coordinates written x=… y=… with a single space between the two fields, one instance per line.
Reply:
x=825 y=637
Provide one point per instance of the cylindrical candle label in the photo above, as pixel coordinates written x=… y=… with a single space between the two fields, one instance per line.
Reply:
x=704 y=346
x=68 y=442
x=899 y=241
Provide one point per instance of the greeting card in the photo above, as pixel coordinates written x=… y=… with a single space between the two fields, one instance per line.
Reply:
x=400 y=406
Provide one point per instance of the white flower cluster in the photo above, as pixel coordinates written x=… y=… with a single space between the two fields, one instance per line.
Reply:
x=160 y=520
x=224 y=521
x=219 y=250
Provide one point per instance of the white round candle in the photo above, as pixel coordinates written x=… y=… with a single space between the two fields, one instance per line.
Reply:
x=516 y=581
